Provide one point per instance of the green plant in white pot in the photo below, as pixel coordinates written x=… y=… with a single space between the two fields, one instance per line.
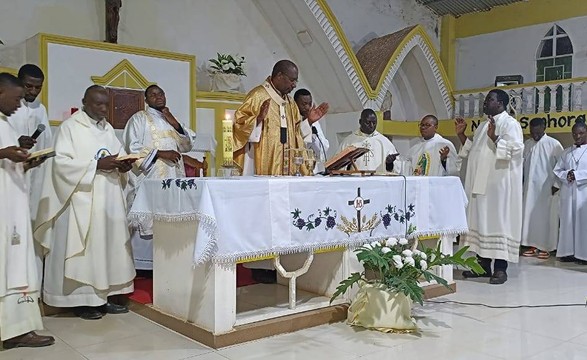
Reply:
x=227 y=72
x=389 y=285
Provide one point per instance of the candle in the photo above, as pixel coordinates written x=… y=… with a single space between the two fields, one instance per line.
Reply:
x=227 y=141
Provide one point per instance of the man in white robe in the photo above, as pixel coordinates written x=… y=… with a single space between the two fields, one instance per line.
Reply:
x=571 y=170
x=493 y=184
x=433 y=155
x=25 y=121
x=19 y=285
x=319 y=144
x=81 y=222
x=381 y=153
x=154 y=129
x=541 y=199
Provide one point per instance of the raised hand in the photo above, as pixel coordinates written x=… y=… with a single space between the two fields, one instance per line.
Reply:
x=263 y=111
x=316 y=113
x=14 y=153
x=491 y=129
x=26 y=142
x=460 y=126
x=170 y=118
x=444 y=153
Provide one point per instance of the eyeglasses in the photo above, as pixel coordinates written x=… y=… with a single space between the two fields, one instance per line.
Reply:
x=424 y=126
x=293 y=80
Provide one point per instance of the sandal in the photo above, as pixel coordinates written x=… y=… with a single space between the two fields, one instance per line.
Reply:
x=532 y=252
x=543 y=255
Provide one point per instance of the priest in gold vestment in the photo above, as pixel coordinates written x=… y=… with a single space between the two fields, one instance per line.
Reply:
x=265 y=125
x=269 y=122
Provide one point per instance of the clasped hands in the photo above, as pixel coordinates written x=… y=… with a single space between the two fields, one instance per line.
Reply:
x=314 y=114
x=571 y=176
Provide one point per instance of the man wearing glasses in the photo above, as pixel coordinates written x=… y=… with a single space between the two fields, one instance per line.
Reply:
x=433 y=155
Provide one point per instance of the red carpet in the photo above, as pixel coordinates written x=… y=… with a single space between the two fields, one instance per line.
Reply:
x=144 y=286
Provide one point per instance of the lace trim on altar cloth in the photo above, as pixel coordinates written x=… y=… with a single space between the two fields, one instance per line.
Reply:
x=208 y=225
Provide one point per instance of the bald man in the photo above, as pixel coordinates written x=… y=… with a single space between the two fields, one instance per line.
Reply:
x=81 y=223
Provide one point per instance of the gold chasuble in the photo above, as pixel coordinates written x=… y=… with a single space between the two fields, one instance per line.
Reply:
x=269 y=152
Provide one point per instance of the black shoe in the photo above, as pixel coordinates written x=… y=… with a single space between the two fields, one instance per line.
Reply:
x=111 y=308
x=499 y=277
x=30 y=339
x=472 y=275
x=581 y=262
x=264 y=276
x=87 y=313
x=567 y=259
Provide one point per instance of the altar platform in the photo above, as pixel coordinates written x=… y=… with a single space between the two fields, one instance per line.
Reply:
x=306 y=226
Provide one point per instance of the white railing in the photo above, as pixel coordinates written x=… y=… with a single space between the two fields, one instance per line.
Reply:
x=532 y=98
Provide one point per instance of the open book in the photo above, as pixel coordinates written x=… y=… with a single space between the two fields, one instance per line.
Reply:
x=345 y=158
x=128 y=157
x=41 y=155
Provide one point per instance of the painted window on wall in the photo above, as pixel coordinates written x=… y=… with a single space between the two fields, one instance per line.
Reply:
x=554 y=61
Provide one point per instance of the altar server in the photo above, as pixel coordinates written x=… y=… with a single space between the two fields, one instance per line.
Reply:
x=20 y=315
x=571 y=170
x=81 y=222
x=541 y=198
x=319 y=144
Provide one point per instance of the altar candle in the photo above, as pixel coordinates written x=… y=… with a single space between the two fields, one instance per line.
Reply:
x=227 y=141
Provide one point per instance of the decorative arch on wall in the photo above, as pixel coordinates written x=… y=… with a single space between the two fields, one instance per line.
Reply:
x=371 y=94
x=123 y=75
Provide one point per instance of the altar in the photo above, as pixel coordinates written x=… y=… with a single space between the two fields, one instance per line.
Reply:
x=308 y=226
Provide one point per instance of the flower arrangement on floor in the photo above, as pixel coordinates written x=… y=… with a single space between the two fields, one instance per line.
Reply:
x=226 y=72
x=389 y=285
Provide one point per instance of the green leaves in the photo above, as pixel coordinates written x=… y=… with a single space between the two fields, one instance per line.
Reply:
x=405 y=277
x=345 y=285
x=228 y=64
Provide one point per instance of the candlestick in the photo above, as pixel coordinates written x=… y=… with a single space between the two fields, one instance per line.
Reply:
x=227 y=156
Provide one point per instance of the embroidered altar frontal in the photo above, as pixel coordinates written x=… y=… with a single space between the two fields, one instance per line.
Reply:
x=244 y=218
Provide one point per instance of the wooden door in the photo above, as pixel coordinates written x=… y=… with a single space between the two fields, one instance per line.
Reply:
x=124 y=103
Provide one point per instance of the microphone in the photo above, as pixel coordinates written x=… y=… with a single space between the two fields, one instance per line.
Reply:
x=315 y=132
x=40 y=129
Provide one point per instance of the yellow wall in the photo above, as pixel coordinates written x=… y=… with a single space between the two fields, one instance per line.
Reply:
x=518 y=15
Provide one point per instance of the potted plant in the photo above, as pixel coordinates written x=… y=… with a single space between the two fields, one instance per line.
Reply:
x=389 y=285
x=226 y=72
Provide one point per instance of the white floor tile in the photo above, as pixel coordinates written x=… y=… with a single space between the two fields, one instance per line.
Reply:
x=565 y=351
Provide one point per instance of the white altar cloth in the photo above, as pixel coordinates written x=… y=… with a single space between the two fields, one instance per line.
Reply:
x=244 y=218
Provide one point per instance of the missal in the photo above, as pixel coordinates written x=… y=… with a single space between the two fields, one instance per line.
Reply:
x=345 y=158
x=41 y=155
x=128 y=157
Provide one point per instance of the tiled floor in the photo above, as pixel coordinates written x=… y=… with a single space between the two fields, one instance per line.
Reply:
x=449 y=331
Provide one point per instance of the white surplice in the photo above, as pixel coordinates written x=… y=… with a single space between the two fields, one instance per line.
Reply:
x=82 y=222
x=24 y=122
x=573 y=203
x=425 y=158
x=493 y=185
x=320 y=147
x=540 y=206
x=19 y=283
x=379 y=147
x=145 y=131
